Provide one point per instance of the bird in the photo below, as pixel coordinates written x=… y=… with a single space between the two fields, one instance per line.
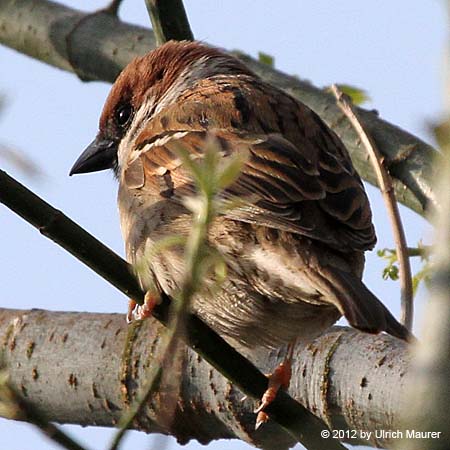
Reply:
x=294 y=247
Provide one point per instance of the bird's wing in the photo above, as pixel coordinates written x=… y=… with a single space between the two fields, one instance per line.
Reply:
x=303 y=188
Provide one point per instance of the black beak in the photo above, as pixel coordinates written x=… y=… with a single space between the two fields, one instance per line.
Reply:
x=100 y=154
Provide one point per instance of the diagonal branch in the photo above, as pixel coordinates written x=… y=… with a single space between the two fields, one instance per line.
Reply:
x=102 y=45
x=297 y=420
x=105 y=366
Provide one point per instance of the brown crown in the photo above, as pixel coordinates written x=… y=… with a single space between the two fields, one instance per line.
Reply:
x=158 y=70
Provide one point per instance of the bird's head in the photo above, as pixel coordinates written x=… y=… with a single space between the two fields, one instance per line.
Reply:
x=144 y=88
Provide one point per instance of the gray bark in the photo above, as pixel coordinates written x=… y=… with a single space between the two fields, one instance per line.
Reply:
x=97 y=46
x=86 y=368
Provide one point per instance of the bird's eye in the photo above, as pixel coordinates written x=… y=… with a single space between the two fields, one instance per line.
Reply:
x=159 y=75
x=123 y=114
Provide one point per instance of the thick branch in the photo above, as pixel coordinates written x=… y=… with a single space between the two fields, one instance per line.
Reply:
x=85 y=368
x=101 y=46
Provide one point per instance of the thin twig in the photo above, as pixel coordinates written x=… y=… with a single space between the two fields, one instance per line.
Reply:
x=387 y=190
x=292 y=416
x=113 y=7
x=423 y=251
x=169 y=20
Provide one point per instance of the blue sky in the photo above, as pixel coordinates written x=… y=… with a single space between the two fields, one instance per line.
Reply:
x=394 y=50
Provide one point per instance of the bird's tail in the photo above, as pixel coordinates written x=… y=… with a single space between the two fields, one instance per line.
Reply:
x=362 y=308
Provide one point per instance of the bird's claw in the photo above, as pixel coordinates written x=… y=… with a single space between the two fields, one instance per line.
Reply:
x=280 y=378
x=261 y=418
x=141 y=312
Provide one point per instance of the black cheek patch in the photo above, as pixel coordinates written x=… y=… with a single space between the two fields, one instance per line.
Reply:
x=164 y=122
x=241 y=104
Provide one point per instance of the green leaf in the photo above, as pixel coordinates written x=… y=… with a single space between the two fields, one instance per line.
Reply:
x=442 y=133
x=266 y=59
x=160 y=246
x=390 y=272
x=424 y=274
x=211 y=163
x=192 y=165
x=230 y=171
x=358 y=96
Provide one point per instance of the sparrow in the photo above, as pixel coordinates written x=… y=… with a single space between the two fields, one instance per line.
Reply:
x=294 y=246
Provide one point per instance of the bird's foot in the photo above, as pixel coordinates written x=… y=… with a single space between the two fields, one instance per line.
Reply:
x=141 y=312
x=279 y=378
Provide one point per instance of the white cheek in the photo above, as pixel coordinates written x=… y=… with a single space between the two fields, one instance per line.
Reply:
x=122 y=154
x=126 y=146
x=144 y=114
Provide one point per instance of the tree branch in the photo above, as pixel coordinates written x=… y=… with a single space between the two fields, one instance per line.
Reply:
x=387 y=191
x=101 y=46
x=86 y=368
x=297 y=420
x=169 y=20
